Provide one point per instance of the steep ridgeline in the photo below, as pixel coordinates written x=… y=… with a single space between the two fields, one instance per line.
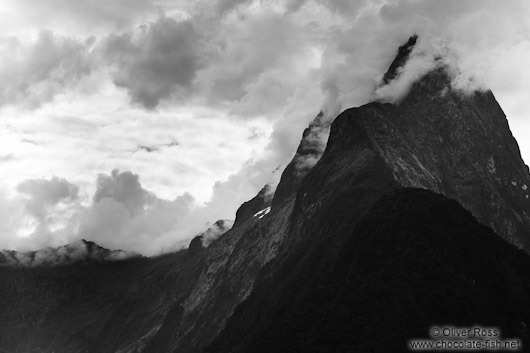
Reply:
x=455 y=143
x=451 y=142
x=415 y=260
x=307 y=155
x=75 y=302
x=235 y=258
x=257 y=204
x=367 y=264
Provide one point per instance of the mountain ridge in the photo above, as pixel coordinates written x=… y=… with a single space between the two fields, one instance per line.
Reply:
x=81 y=251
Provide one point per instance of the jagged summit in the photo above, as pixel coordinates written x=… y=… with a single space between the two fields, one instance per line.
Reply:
x=213 y=232
x=307 y=155
x=81 y=251
x=400 y=59
x=249 y=208
x=439 y=138
x=457 y=144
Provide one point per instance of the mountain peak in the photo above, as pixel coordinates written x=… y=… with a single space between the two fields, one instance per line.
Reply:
x=213 y=232
x=249 y=208
x=400 y=60
x=80 y=251
x=310 y=149
x=456 y=144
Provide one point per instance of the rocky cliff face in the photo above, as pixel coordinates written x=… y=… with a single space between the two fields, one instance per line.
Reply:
x=249 y=209
x=458 y=144
x=271 y=268
x=414 y=260
x=307 y=155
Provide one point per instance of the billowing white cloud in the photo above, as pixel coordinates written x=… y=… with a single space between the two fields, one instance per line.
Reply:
x=124 y=188
x=42 y=193
x=124 y=215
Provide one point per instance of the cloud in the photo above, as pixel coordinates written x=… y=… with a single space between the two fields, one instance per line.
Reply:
x=215 y=231
x=157 y=147
x=42 y=194
x=7 y=157
x=68 y=14
x=35 y=72
x=156 y=61
x=124 y=215
x=121 y=215
x=268 y=47
x=38 y=214
x=125 y=189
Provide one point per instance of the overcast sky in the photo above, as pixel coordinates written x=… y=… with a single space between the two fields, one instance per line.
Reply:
x=133 y=123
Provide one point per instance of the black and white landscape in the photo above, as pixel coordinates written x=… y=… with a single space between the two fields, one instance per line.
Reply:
x=270 y=176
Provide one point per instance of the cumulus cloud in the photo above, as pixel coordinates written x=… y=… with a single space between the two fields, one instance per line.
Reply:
x=121 y=215
x=254 y=55
x=125 y=189
x=42 y=194
x=37 y=215
x=156 y=61
x=33 y=73
x=68 y=14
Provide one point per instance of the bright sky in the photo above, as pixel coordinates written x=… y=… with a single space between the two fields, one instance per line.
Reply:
x=196 y=103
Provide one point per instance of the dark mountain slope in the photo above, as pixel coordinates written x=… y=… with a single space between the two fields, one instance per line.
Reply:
x=92 y=307
x=234 y=260
x=415 y=260
x=458 y=144
x=231 y=266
